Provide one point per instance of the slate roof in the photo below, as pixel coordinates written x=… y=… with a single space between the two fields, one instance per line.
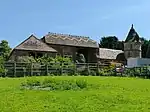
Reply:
x=132 y=36
x=108 y=53
x=34 y=44
x=71 y=40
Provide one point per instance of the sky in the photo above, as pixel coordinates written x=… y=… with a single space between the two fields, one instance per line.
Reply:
x=94 y=18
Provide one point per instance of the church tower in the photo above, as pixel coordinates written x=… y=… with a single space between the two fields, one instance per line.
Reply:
x=132 y=44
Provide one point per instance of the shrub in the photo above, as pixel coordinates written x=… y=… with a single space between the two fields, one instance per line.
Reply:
x=81 y=83
x=39 y=64
x=31 y=82
x=26 y=59
x=53 y=84
x=107 y=71
x=48 y=82
x=84 y=72
x=93 y=73
x=59 y=84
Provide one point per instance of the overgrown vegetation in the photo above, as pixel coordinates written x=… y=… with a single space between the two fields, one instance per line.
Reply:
x=52 y=83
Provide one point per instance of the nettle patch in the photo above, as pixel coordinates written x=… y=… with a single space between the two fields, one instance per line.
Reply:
x=54 y=84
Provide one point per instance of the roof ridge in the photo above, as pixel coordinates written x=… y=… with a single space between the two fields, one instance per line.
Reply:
x=80 y=38
x=67 y=35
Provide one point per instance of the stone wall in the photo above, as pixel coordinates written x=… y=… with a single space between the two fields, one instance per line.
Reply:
x=132 y=49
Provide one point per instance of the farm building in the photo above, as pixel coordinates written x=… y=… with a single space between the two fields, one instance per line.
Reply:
x=57 y=44
x=111 y=56
x=72 y=46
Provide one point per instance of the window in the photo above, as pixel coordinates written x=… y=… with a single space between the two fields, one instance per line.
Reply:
x=129 y=54
x=32 y=54
x=131 y=46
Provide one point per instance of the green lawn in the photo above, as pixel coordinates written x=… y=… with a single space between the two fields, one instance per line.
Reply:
x=112 y=94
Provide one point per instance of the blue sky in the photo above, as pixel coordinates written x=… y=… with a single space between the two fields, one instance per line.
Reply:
x=94 y=18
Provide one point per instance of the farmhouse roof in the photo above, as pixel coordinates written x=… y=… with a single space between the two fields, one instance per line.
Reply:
x=108 y=53
x=132 y=35
x=71 y=40
x=34 y=44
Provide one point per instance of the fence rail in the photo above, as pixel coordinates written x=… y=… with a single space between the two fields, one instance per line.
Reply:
x=35 y=69
x=43 y=69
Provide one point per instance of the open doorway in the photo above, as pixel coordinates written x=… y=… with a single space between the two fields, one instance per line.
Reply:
x=84 y=52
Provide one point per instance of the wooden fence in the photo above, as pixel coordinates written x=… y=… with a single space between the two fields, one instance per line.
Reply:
x=43 y=69
x=36 y=69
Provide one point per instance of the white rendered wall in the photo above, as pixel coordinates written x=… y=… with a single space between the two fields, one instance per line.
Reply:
x=138 y=62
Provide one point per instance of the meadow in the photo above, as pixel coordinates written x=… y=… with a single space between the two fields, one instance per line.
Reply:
x=107 y=94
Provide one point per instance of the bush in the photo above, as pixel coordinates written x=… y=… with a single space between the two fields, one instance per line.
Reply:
x=107 y=71
x=31 y=82
x=53 y=84
x=81 y=83
x=47 y=82
x=26 y=59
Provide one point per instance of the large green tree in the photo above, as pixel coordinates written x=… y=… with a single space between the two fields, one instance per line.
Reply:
x=4 y=49
x=144 y=48
x=111 y=42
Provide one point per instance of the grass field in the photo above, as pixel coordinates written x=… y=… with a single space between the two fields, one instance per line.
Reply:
x=112 y=94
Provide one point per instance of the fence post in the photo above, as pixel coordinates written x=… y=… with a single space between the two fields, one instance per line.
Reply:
x=46 y=68
x=88 y=69
x=74 y=69
x=31 y=67
x=146 y=71
x=98 y=69
x=140 y=71
x=14 y=69
x=61 y=68
x=24 y=71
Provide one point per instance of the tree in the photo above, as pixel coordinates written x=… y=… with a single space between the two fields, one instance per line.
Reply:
x=4 y=49
x=2 y=70
x=145 y=47
x=111 y=42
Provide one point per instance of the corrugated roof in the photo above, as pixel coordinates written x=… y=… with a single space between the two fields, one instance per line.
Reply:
x=108 y=53
x=71 y=40
x=34 y=44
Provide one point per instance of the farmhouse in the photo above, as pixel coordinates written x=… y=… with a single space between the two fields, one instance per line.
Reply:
x=54 y=44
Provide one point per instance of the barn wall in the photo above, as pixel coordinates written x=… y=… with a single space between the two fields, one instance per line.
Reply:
x=89 y=53
x=16 y=53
